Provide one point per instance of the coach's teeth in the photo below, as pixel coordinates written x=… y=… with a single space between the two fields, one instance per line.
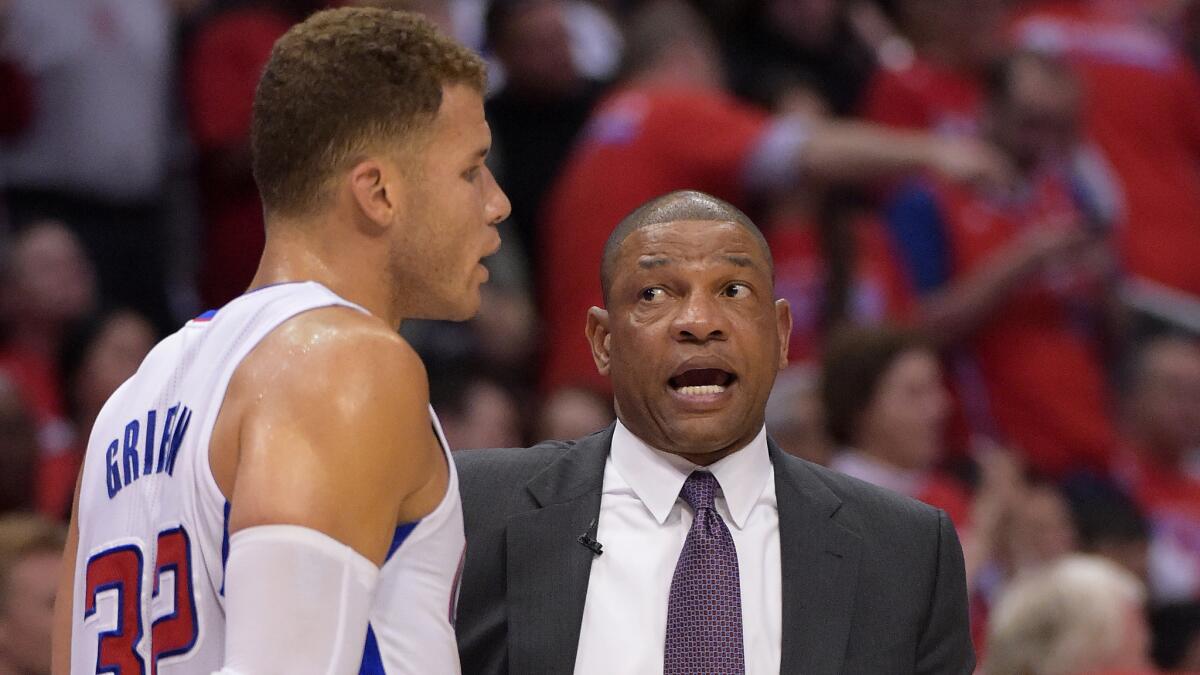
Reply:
x=706 y=390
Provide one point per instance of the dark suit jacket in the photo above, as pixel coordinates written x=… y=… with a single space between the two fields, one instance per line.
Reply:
x=873 y=582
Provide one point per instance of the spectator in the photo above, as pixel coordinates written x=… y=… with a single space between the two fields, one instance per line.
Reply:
x=96 y=358
x=31 y=550
x=1081 y=615
x=885 y=407
x=99 y=356
x=47 y=285
x=570 y=413
x=834 y=266
x=16 y=110
x=1017 y=285
x=1019 y=525
x=834 y=261
x=19 y=452
x=1162 y=408
x=939 y=87
x=1144 y=112
x=795 y=417
x=48 y=282
x=505 y=330
x=1110 y=524
x=671 y=125
x=95 y=155
x=542 y=105
x=807 y=36
x=475 y=411
x=221 y=69
x=1040 y=530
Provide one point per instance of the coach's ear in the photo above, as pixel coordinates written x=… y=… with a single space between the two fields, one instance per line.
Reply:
x=598 y=336
x=374 y=192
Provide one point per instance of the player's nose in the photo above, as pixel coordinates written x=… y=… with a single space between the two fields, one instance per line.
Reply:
x=498 y=206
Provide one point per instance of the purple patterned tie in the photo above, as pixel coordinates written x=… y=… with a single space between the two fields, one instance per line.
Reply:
x=704 y=614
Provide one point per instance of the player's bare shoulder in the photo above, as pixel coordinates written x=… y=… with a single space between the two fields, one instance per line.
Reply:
x=332 y=387
x=342 y=338
x=338 y=361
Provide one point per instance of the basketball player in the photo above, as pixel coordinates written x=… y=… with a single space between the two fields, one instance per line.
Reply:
x=271 y=493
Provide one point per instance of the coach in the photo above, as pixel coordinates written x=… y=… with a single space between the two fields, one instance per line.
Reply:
x=681 y=539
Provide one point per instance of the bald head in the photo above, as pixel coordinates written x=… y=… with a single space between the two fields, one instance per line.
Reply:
x=682 y=205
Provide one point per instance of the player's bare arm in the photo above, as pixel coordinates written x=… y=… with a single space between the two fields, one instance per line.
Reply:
x=323 y=446
x=326 y=426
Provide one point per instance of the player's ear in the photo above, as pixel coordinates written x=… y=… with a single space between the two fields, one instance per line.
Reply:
x=376 y=197
x=599 y=338
x=783 y=324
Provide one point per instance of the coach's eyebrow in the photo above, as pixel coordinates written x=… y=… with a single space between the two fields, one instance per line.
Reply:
x=739 y=260
x=647 y=263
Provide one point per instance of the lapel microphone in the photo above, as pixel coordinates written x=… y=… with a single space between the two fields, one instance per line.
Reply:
x=589 y=542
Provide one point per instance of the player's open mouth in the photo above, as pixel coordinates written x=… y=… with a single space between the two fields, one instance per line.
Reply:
x=702 y=381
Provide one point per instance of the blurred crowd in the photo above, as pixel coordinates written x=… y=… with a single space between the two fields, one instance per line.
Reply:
x=985 y=215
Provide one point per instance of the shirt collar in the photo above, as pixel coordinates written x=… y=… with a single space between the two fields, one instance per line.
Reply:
x=656 y=477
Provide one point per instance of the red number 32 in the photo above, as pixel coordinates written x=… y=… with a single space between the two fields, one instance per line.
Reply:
x=120 y=569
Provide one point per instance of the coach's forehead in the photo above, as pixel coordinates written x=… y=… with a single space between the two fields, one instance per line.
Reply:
x=689 y=241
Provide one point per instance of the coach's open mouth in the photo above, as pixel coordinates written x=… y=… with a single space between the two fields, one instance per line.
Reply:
x=702 y=381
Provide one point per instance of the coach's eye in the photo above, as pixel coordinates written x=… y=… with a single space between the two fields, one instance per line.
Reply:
x=736 y=291
x=653 y=294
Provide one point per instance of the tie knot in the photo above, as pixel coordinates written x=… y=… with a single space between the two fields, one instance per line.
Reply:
x=698 y=490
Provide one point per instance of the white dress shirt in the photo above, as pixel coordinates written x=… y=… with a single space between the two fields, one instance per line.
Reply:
x=642 y=526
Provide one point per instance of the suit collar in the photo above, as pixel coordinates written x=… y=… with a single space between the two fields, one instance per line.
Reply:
x=548 y=567
x=579 y=471
x=800 y=479
x=819 y=558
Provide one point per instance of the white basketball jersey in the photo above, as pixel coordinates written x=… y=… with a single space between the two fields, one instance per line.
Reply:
x=154 y=527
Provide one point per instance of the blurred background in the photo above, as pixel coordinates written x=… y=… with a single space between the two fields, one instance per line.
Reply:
x=984 y=213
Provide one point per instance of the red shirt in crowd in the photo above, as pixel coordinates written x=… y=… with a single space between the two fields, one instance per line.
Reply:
x=879 y=292
x=221 y=73
x=1143 y=109
x=59 y=458
x=923 y=95
x=1032 y=374
x=639 y=144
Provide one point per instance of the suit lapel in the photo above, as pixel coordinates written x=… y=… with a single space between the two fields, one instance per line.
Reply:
x=819 y=560
x=548 y=568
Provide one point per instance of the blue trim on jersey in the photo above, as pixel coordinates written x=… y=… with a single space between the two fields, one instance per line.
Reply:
x=207 y=316
x=225 y=546
x=402 y=532
x=372 y=661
